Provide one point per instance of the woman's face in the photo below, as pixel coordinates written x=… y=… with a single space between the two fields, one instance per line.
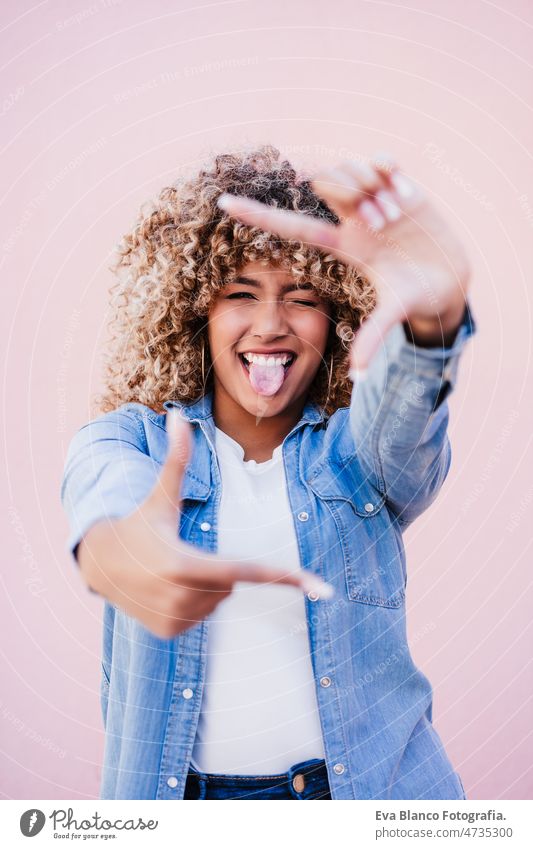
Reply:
x=267 y=339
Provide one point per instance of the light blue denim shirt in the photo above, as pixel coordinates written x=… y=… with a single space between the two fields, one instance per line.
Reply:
x=355 y=481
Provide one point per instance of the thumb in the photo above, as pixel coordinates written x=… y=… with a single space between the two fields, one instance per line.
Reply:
x=370 y=337
x=166 y=495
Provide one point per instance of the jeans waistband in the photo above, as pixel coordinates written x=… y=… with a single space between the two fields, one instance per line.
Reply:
x=304 y=780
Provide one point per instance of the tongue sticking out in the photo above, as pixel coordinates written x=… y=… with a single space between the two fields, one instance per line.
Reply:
x=266 y=380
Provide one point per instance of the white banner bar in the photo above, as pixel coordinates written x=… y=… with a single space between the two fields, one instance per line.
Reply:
x=348 y=824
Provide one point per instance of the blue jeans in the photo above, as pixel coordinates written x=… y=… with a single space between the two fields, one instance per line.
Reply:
x=304 y=780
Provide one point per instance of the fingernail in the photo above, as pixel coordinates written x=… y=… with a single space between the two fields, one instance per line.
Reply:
x=224 y=201
x=372 y=215
x=388 y=204
x=357 y=375
x=312 y=583
x=403 y=185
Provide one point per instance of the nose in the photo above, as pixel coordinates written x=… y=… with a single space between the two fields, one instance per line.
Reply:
x=270 y=320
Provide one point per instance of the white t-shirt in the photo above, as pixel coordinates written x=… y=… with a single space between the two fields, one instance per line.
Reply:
x=259 y=710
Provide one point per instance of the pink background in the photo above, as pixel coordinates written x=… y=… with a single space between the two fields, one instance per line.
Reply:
x=103 y=103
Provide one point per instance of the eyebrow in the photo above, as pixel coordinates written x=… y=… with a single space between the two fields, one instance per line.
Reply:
x=288 y=287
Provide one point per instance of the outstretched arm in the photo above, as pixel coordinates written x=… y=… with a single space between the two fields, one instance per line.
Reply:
x=399 y=417
x=107 y=473
x=404 y=356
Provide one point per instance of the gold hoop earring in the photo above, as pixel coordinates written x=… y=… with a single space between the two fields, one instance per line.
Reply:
x=203 y=365
x=330 y=374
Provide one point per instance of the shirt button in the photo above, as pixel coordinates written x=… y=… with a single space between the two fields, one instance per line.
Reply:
x=313 y=596
x=172 y=781
x=303 y=516
x=205 y=526
x=187 y=693
x=369 y=507
x=338 y=769
x=325 y=681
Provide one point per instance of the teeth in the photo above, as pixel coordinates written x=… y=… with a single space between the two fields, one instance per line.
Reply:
x=262 y=360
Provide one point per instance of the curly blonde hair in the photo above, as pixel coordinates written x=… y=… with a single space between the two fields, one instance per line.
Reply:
x=183 y=249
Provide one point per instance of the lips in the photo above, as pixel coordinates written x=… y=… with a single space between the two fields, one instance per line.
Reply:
x=277 y=354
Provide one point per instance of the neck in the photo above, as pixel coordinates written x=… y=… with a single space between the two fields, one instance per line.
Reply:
x=258 y=436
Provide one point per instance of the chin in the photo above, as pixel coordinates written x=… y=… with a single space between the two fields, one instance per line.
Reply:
x=264 y=406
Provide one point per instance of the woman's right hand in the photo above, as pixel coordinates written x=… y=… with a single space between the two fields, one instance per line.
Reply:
x=141 y=565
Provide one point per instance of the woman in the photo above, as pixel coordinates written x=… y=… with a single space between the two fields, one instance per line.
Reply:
x=233 y=465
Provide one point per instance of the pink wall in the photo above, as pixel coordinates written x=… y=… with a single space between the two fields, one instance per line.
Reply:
x=102 y=103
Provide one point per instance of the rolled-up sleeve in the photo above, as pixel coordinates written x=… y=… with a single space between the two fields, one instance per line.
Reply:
x=107 y=472
x=399 y=418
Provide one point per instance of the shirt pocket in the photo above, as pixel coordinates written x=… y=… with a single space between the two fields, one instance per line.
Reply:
x=374 y=562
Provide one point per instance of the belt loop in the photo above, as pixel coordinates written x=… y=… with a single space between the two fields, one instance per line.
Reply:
x=200 y=778
x=202 y=786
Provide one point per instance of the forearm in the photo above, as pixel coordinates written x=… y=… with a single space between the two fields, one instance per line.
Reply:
x=399 y=418
x=96 y=560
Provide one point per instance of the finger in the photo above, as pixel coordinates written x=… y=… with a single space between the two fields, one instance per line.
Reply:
x=339 y=189
x=383 y=185
x=406 y=191
x=212 y=571
x=258 y=574
x=289 y=225
x=370 y=337
x=384 y=164
x=166 y=495
x=359 y=185
x=378 y=205
x=372 y=214
x=368 y=179
x=388 y=205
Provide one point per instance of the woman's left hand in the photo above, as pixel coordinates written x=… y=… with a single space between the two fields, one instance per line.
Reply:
x=390 y=232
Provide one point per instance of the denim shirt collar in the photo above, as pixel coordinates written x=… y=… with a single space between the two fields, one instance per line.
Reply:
x=198 y=478
x=203 y=409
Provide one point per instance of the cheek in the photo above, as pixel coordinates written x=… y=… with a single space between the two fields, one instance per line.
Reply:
x=314 y=330
x=222 y=330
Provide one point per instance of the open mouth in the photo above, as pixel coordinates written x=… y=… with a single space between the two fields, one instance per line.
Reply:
x=291 y=358
x=267 y=373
